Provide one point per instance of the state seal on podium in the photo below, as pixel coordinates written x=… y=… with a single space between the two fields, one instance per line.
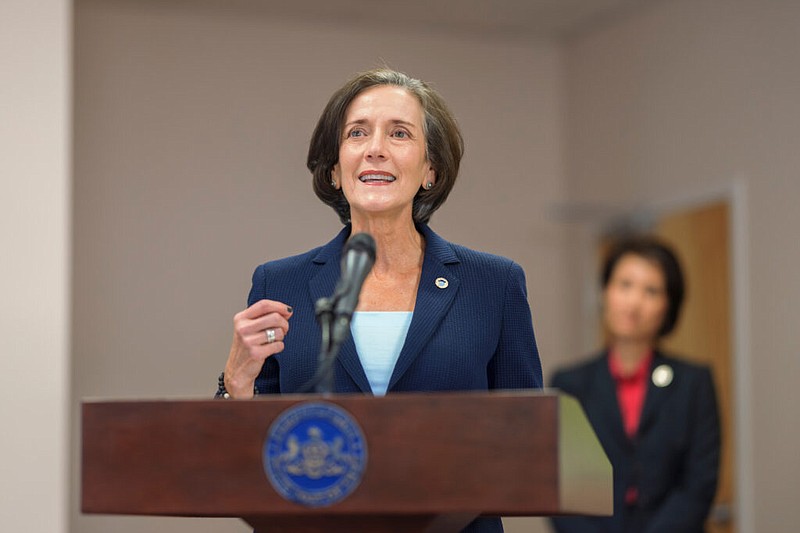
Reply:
x=315 y=454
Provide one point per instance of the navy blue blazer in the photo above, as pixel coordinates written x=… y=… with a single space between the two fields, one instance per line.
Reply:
x=475 y=334
x=674 y=458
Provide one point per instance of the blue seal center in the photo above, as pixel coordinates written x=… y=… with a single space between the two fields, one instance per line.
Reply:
x=315 y=454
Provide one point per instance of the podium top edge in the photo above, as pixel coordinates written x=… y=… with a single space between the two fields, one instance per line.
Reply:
x=395 y=396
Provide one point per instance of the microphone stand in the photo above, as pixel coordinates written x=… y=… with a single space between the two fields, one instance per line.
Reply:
x=333 y=329
x=335 y=313
x=328 y=351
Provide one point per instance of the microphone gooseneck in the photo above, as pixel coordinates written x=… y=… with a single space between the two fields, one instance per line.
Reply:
x=357 y=260
x=335 y=313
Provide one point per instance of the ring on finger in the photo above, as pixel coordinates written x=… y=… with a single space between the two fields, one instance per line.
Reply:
x=270 y=333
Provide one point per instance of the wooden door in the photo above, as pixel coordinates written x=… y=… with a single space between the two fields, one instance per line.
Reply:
x=701 y=239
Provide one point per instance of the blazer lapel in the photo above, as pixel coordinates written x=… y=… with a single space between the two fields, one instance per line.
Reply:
x=322 y=285
x=606 y=400
x=655 y=396
x=432 y=301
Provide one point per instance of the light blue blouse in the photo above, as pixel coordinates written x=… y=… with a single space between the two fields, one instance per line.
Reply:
x=379 y=336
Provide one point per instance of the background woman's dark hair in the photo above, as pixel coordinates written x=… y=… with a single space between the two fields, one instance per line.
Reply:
x=444 y=143
x=656 y=251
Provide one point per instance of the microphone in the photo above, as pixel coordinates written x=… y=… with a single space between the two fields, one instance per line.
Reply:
x=334 y=313
x=357 y=260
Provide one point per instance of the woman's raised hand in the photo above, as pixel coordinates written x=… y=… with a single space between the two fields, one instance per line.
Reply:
x=258 y=333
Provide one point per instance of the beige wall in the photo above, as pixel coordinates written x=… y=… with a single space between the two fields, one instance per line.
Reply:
x=189 y=134
x=191 y=127
x=689 y=97
x=34 y=239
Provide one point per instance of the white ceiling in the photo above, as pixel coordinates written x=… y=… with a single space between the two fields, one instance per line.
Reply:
x=511 y=18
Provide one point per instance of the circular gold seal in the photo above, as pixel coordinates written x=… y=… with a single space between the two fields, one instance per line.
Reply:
x=662 y=375
x=315 y=454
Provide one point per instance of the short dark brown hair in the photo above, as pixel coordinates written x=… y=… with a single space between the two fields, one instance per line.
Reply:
x=656 y=251
x=444 y=144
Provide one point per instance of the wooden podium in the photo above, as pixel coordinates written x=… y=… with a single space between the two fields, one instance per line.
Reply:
x=434 y=461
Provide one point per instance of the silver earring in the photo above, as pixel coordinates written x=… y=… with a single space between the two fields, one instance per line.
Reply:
x=429 y=185
x=333 y=183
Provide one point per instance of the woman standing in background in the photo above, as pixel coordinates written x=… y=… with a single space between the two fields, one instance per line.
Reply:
x=655 y=415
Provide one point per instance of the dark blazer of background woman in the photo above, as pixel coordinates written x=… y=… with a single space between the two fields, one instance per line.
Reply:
x=673 y=458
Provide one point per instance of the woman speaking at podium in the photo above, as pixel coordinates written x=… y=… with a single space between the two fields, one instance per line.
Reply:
x=432 y=315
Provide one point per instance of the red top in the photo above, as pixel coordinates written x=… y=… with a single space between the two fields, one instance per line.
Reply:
x=631 y=391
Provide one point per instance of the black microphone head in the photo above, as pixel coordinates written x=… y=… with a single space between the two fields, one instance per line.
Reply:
x=358 y=257
x=361 y=242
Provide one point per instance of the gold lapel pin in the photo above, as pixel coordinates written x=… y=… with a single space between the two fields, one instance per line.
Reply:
x=442 y=283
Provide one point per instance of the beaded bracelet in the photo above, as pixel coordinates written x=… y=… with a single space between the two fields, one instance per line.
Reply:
x=222 y=392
